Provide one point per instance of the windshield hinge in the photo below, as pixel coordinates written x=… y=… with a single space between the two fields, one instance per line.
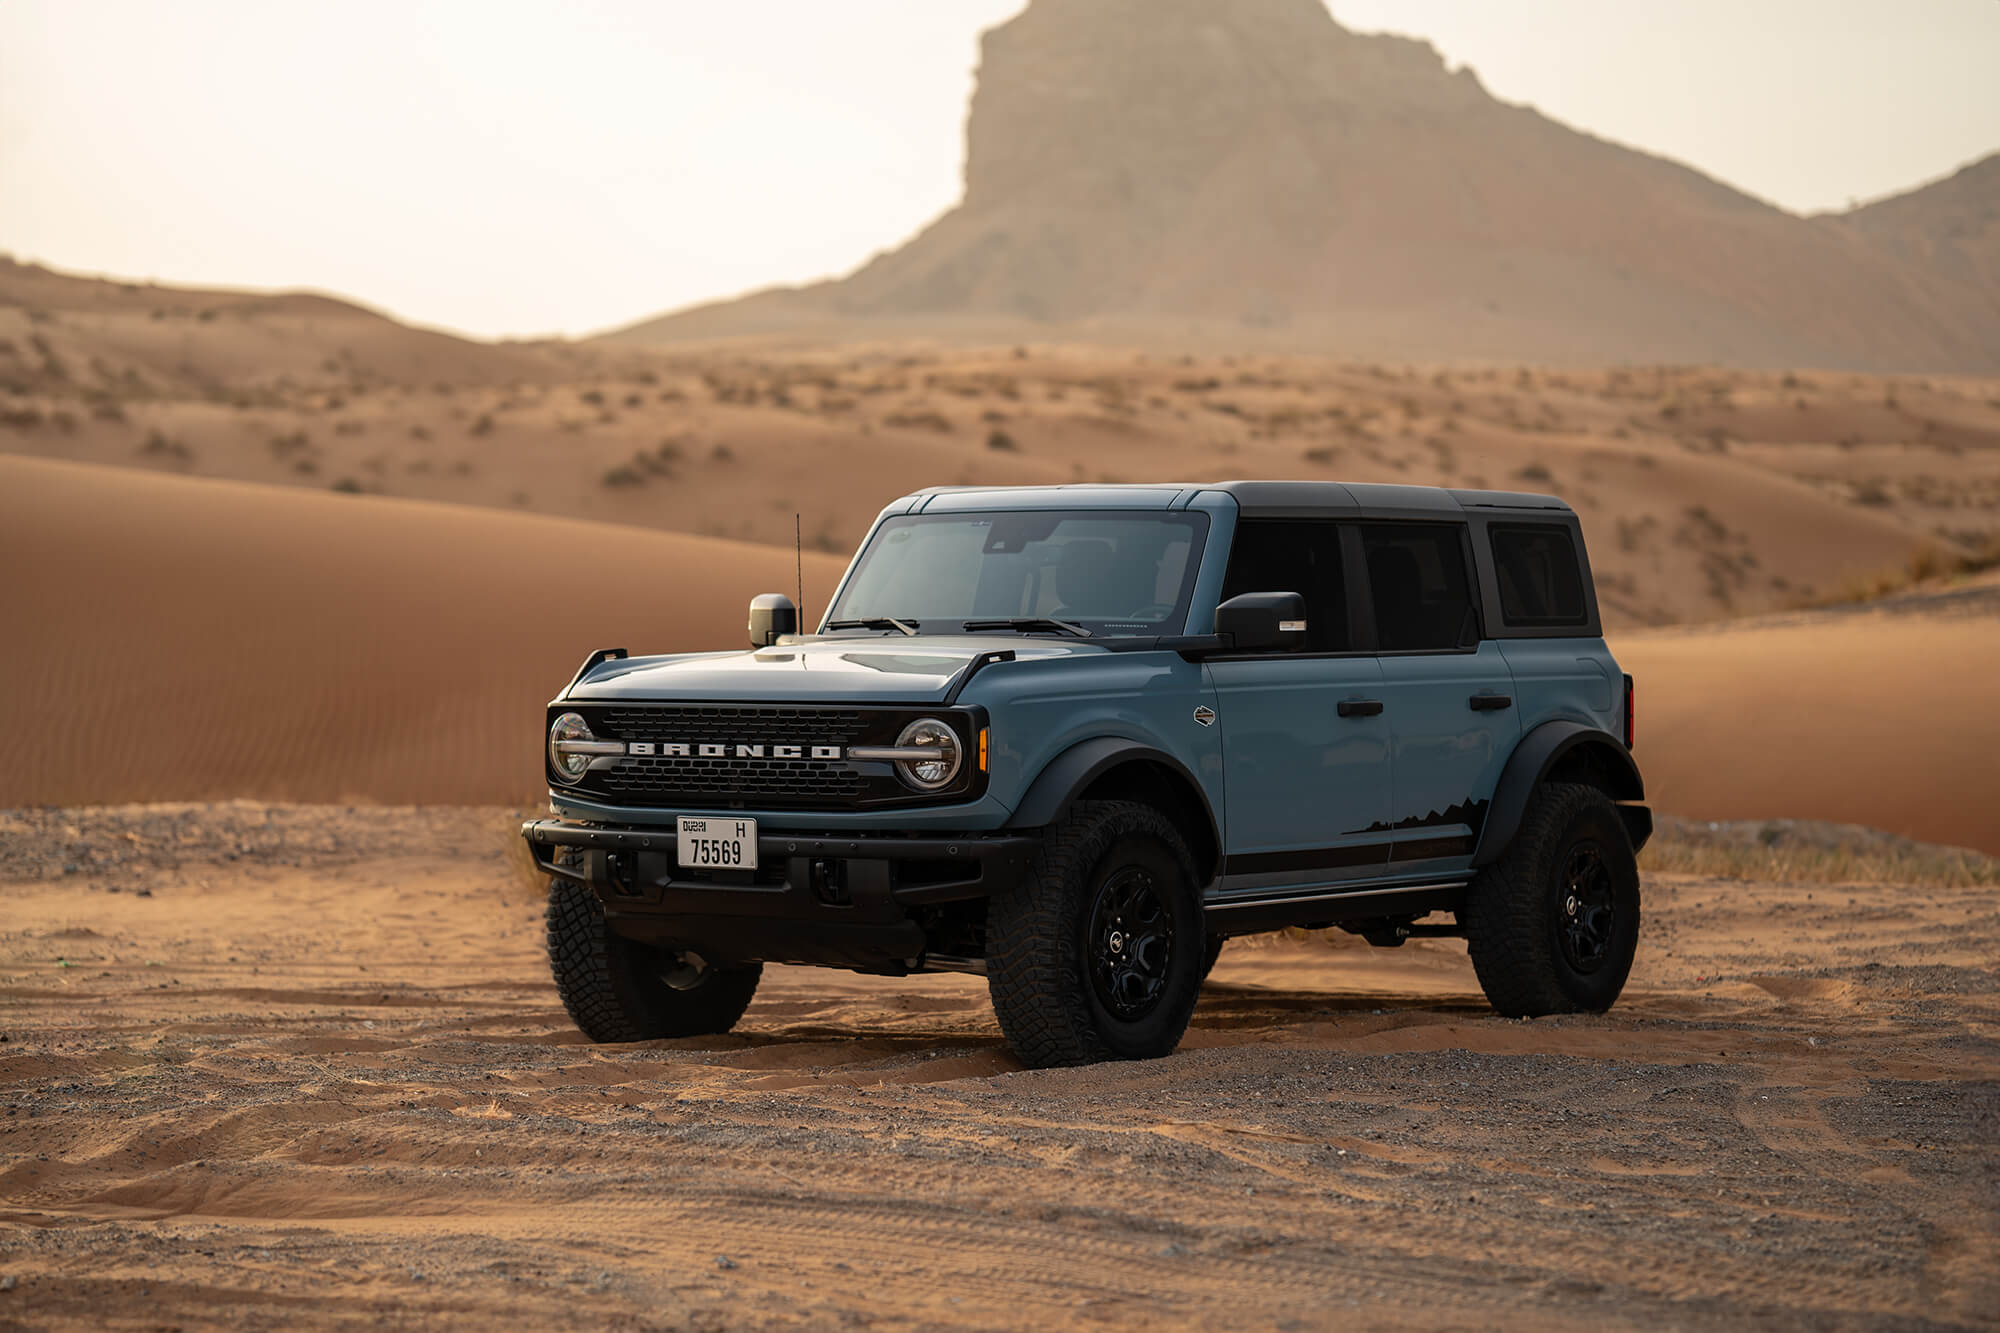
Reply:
x=973 y=668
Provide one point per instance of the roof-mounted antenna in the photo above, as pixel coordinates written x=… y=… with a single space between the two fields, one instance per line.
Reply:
x=799 y=558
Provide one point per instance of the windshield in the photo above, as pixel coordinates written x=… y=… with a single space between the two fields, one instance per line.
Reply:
x=1122 y=572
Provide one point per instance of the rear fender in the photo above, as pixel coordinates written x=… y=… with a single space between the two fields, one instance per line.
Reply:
x=1561 y=751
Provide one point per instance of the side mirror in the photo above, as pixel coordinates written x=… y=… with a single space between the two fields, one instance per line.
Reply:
x=771 y=615
x=1263 y=621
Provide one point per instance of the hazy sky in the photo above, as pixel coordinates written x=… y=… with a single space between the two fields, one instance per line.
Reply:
x=523 y=168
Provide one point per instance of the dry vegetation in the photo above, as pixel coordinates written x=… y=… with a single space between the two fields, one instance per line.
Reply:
x=1797 y=851
x=1706 y=492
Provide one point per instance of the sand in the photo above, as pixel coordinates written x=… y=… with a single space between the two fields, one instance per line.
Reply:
x=1884 y=715
x=318 y=1076
x=1704 y=493
x=192 y=639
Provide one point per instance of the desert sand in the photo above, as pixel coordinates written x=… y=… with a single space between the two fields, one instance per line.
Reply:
x=194 y=639
x=1704 y=493
x=269 y=1066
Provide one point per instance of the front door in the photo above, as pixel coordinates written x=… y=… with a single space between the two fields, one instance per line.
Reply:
x=1305 y=738
x=1447 y=694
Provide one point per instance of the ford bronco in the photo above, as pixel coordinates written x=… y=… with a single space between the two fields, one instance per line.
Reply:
x=1074 y=738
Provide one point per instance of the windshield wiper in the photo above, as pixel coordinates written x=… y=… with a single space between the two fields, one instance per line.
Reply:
x=875 y=622
x=1027 y=623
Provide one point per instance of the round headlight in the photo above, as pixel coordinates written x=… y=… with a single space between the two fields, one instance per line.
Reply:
x=568 y=766
x=930 y=774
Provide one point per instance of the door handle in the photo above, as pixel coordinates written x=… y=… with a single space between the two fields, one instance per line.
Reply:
x=1487 y=703
x=1360 y=707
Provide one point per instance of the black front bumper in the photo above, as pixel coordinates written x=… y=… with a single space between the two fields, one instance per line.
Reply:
x=855 y=900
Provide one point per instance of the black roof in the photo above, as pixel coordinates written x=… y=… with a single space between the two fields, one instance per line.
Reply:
x=1289 y=498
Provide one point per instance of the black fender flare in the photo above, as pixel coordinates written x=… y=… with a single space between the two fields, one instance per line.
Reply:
x=1069 y=775
x=1539 y=752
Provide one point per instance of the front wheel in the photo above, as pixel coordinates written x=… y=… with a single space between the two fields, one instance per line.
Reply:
x=617 y=989
x=1099 y=953
x=1552 y=926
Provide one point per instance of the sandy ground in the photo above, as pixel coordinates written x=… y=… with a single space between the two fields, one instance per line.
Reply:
x=1880 y=714
x=193 y=639
x=304 y=1067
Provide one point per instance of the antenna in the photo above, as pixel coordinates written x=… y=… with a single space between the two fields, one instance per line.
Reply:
x=799 y=556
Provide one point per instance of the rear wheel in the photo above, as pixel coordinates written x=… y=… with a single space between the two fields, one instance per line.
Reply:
x=621 y=990
x=1214 y=951
x=1553 y=925
x=1099 y=953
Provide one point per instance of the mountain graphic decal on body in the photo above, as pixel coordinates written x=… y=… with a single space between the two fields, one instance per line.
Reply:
x=1470 y=813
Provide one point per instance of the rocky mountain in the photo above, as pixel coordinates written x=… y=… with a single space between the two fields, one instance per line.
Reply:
x=1950 y=227
x=1251 y=173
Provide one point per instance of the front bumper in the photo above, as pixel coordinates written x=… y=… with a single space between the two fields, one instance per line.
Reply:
x=854 y=900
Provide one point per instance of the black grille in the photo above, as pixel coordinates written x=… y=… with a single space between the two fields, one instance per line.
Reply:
x=718 y=782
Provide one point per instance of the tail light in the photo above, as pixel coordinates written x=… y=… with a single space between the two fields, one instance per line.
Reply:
x=1628 y=711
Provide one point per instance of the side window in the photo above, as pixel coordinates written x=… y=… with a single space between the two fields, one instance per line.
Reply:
x=1540 y=581
x=1423 y=596
x=1294 y=555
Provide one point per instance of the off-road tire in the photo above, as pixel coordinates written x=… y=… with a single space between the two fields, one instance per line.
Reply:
x=1038 y=959
x=1517 y=910
x=614 y=988
x=1214 y=951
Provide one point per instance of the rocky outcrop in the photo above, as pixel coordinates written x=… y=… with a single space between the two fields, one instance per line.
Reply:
x=1249 y=171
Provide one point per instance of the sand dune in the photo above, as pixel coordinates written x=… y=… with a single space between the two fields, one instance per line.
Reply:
x=1886 y=715
x=188 y=639
x=168 y=638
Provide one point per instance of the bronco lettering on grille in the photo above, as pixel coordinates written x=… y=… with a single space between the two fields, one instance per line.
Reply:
x=677 y=750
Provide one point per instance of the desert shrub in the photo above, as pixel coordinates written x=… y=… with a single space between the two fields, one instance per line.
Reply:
x=624 y=475
x=634 y=400
x=593 y=397
x=722 y=453
x=158 y=445
x=1810 y=852
x=1535 y=472
x=21 y=418
x=919 y=420
x=1001 y=442
x=483 y=426
x=348 y=486
x=1873 y=494
x=1323 y=454
x=419 y=433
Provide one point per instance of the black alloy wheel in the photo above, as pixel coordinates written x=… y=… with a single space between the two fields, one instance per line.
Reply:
x=1131 y=943
x=1589 y=921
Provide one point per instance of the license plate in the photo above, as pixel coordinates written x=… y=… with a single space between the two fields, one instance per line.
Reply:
x=710 y=843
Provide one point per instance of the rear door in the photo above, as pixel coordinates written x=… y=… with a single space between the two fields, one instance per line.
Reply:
x=1305 y=782
x=1447 y=691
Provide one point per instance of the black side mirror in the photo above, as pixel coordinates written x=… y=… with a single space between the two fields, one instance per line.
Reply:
x=771 y=615
x=1261 y=622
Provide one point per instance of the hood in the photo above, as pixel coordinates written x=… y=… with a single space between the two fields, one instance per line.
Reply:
x=858 y=667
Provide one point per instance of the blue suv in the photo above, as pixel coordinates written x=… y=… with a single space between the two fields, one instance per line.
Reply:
x=1073 y=738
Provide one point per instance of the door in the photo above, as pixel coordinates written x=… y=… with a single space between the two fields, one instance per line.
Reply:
x=1305 y=780
x=1448 y=695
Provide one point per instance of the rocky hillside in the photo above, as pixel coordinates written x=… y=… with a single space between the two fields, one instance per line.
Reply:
x=1254 y=174
x=1951 y=227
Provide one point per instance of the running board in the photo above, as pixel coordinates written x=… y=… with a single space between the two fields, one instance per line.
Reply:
x=1245 y=912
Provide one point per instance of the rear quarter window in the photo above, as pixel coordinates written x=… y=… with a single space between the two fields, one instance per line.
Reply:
x=1541 y=581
